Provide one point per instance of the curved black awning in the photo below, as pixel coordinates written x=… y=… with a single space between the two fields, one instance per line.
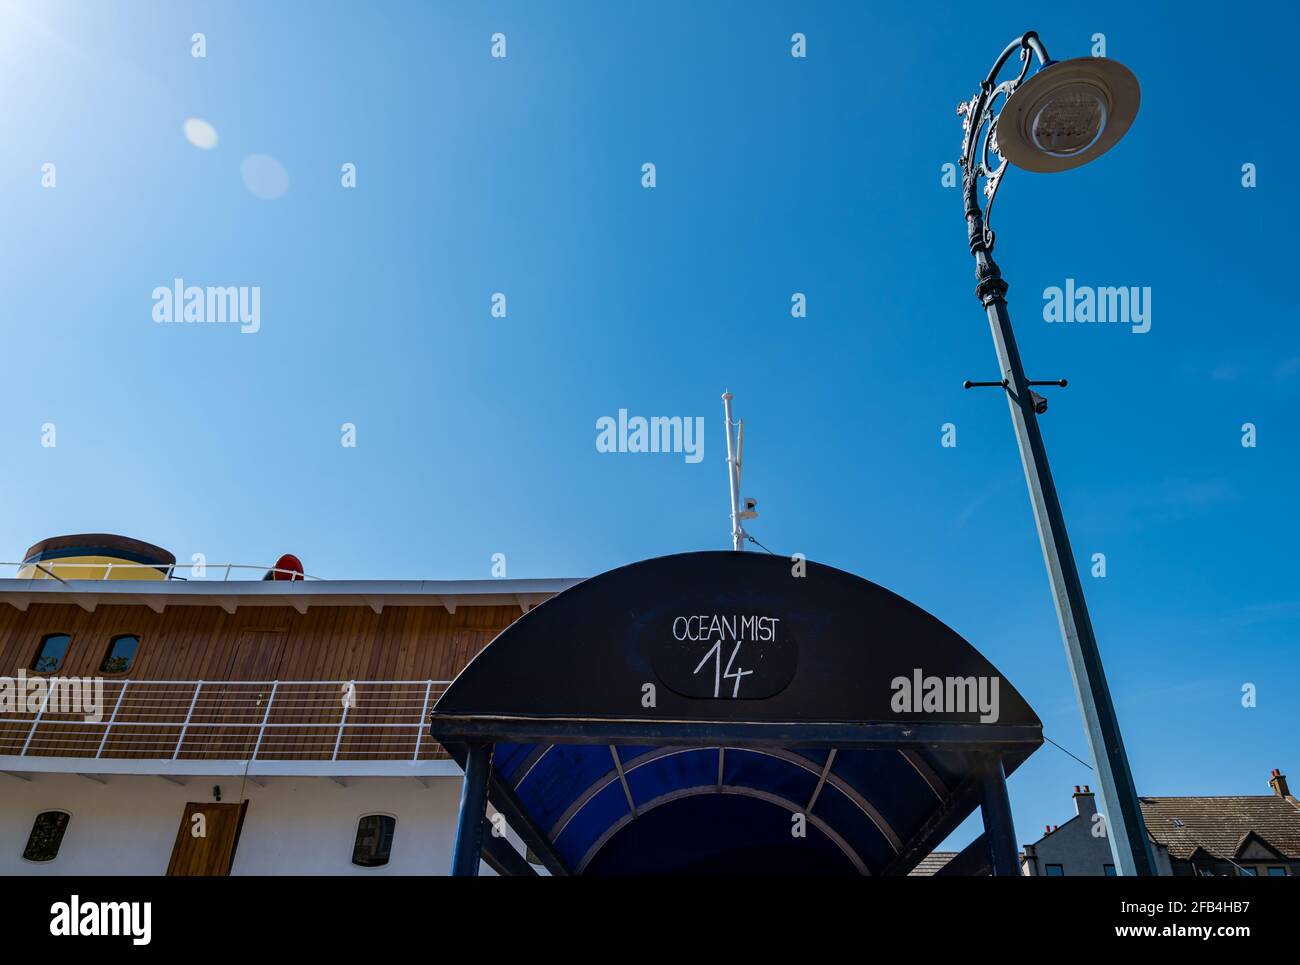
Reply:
x=695 y=712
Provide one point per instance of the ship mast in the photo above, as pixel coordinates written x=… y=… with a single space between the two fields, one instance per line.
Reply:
x=735 y=448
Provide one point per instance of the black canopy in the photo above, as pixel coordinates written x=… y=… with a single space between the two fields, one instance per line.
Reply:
x=723 y=711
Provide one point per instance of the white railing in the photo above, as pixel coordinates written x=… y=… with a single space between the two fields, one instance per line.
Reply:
x=271 y=720
x=221 y=572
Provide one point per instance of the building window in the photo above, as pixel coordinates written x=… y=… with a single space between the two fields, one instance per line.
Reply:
x=47 y=834
x=121 y=654
x=49 y=657
x=374 y=840
x=1055 y=871
x=1276 y=872
x=1246 y=872
x=1108 y=870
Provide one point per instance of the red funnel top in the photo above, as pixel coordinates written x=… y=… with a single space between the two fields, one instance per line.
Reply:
x=287 y=567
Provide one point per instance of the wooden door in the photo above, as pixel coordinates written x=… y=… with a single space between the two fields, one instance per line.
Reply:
x=206 y=846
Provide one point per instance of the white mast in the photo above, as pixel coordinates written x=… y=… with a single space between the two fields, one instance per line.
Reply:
x=733 y=474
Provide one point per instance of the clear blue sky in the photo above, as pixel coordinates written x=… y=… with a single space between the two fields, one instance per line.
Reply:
x=476 y=435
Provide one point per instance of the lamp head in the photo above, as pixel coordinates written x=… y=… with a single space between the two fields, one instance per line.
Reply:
x=1068 y=113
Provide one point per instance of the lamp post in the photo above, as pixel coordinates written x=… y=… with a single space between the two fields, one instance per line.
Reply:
x=1063 y=116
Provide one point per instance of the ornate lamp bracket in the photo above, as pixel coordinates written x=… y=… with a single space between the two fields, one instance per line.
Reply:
x=982 y=163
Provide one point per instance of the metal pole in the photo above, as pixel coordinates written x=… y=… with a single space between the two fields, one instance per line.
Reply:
x=733 y=473
x=117 y=706
x=275 y=684
x=473 y=806
x=424 y=720
x=36 y=721
x=1125 y=827
x=349 y=698
x=188 y=715
x=999 y=829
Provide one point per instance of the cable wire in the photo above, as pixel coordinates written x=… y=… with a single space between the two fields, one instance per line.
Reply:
x=1064 y=751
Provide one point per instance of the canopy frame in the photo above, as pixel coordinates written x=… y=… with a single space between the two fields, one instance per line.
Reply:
x=472 y=740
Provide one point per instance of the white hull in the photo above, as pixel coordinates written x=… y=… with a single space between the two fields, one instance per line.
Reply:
x=293 y=826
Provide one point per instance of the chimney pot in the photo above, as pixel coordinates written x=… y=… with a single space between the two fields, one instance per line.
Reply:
x=1085 y=805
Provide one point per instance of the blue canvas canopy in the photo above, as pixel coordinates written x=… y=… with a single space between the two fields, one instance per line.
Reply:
x=723 y=712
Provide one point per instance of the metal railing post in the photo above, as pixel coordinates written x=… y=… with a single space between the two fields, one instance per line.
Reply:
x=39 y=714
x=109 y=726
x=265 y=717
x=424 y=712
x=347 y=705
x=198 y=685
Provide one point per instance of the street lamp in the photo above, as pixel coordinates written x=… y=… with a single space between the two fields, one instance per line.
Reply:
x=1063 y=116
x=1067 y=114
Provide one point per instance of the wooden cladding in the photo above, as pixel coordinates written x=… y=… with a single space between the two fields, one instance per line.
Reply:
x=260 y=643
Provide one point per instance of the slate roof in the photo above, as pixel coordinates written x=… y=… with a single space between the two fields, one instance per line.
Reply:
x=1219 y=824
x=931 y=863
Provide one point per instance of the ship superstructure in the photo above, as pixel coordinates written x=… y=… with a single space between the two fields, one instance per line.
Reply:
x=288 y=712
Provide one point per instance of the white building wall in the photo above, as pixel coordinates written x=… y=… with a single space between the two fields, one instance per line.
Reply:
x=293 y=825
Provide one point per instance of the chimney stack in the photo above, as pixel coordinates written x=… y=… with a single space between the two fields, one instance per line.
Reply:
x=1085 y=805
x=1278 y=783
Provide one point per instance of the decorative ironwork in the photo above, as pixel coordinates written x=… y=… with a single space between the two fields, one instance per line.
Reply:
x=982 y=163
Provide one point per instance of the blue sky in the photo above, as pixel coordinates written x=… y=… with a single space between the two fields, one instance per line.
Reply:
x=822 y=175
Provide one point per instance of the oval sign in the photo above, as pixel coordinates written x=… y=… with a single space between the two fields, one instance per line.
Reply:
x=723 y=656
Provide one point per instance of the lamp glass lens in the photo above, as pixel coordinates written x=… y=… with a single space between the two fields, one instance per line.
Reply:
x=1070 y=121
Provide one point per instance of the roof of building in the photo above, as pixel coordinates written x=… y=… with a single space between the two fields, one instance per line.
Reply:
x=299 y=594
x=1220 y=825
x=931 y=864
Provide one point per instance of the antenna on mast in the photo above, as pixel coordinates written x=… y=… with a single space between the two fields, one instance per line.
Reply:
x=735 y=444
